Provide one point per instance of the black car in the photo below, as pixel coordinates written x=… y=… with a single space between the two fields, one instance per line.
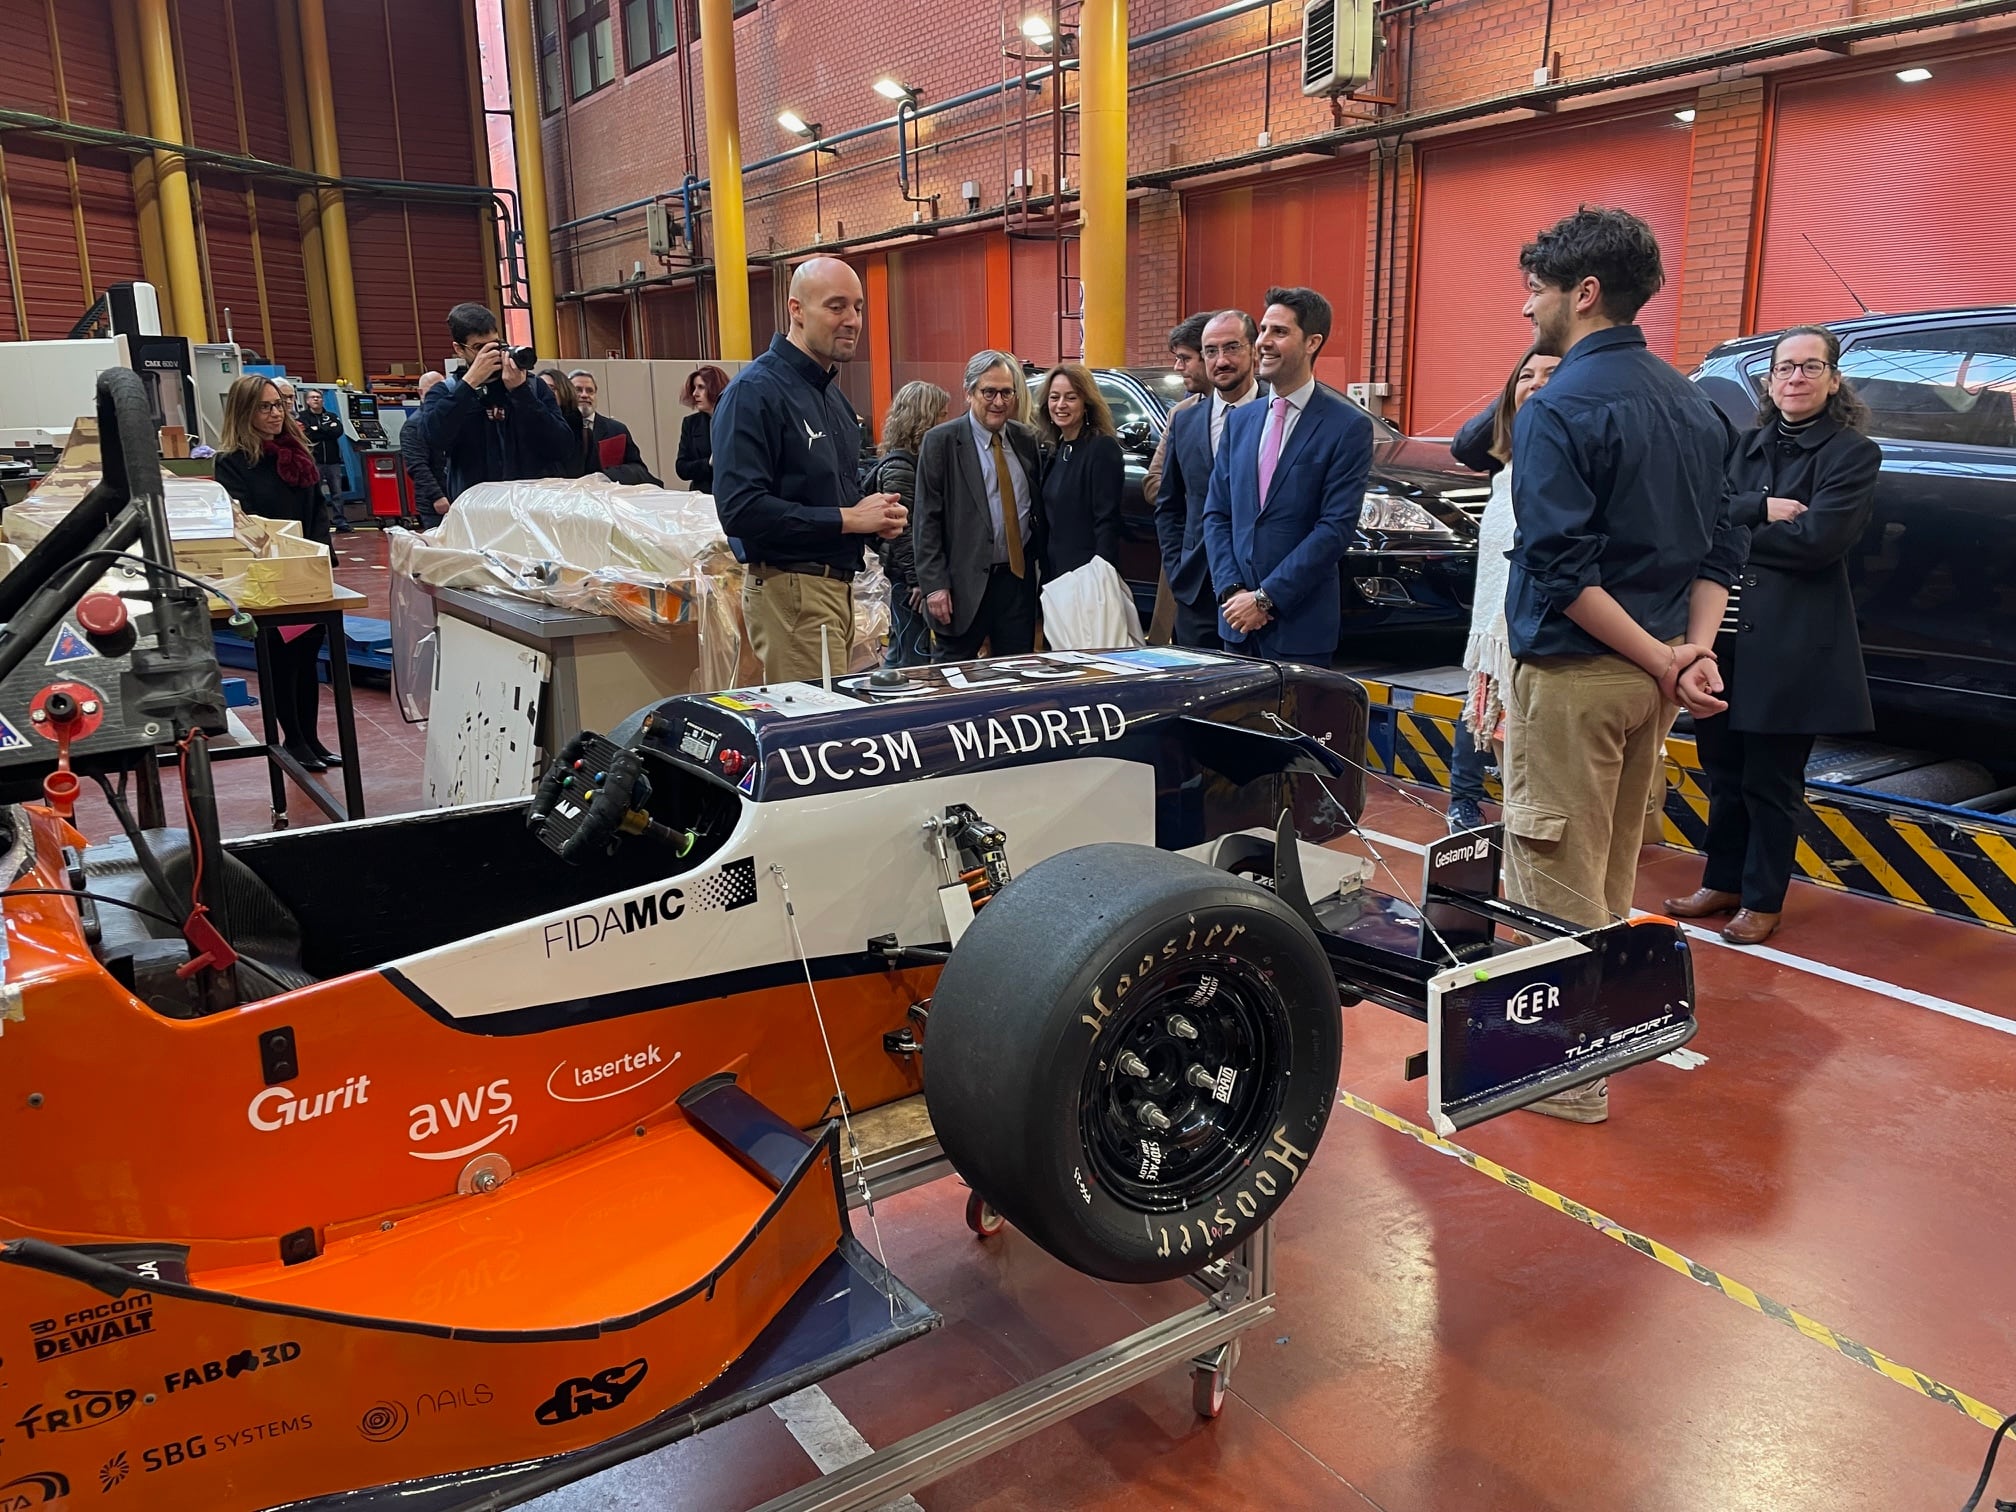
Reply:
x=1935 y=574
x=1414 y=563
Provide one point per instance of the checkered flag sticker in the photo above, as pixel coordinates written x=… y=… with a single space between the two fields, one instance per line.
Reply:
x=732 y=887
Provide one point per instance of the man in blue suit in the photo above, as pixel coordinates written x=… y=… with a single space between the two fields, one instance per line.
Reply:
x=1285 y=492
x=1195 y=434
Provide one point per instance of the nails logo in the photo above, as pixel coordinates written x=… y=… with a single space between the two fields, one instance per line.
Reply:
x=612 y=1078
x=383 y=1422
x=581 y=1395
x=464 y=1108
x=83 y=1409
x=36 y=1490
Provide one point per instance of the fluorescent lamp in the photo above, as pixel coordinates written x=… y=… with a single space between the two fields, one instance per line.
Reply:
x=793 y=122
x=1684 y=115
x=1914 y=75
x=893 y=89
x=1037 y=30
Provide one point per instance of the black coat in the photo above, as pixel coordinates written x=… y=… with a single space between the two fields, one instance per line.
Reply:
x=696 y=452
x=1082 y=481
x=260 y=490
x=896 y=473
x=1794 y=662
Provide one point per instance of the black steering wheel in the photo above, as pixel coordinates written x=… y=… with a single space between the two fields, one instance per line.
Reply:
x=592 y=797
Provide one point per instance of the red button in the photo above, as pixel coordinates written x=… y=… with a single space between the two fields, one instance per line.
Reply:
x=731 y=761
x=101 y=614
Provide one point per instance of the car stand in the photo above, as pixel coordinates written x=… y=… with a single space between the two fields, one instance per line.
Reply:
x=898 y=1153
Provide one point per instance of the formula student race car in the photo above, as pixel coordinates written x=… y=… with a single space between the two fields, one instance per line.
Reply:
x=434 y=1161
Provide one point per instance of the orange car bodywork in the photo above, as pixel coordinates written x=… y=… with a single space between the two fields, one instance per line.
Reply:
x=625 y=1262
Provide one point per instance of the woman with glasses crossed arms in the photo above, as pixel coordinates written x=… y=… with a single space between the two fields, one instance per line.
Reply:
x=1789 y=656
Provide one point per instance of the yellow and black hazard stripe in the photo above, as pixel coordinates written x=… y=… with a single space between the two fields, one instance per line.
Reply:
x=1840 y=1344
x=1932 y=863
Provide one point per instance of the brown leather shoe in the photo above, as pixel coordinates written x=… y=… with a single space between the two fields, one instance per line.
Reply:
x=1750 y=927
x=1702 y=902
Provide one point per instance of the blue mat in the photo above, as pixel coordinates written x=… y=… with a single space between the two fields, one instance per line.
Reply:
x=368 y=643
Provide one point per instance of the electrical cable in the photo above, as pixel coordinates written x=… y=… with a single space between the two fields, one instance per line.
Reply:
x=1988 y=1469
x=139 y=908
x=239 y=618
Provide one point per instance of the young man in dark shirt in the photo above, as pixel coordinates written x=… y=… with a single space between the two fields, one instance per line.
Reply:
x=490 y=423
x=1622 y=565
x=786 y=444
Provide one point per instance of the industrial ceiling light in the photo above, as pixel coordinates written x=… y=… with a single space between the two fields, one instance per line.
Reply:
x=1037 y=30
x=1914 y=75
x=1684 y=115
x=794 y=123
x=894 y=89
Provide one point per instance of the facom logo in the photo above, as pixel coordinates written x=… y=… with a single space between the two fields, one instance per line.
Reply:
x=278 y=1107
x=1531 y=1001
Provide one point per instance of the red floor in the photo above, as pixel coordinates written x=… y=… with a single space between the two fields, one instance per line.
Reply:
x=1446 y=1344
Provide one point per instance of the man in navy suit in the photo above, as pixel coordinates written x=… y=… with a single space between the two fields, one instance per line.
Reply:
x=1195 y=434
x=1285 y=492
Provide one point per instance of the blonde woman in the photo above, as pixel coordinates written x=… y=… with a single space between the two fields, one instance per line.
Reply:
x=916 y=408
x=265 y=464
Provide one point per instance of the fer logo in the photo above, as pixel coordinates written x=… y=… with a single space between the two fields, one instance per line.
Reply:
x=1531 y=1001
x=600 y=1392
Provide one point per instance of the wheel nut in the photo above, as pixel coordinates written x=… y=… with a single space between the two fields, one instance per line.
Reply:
x=1154 y=1117
x=1182 y=1028
x=1132 y=1064
x=1199 y=1077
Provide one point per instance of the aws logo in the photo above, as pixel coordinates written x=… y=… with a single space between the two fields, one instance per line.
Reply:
x=464 y=1112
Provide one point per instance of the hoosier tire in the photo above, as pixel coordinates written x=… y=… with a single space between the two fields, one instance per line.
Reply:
x=1131 y=1057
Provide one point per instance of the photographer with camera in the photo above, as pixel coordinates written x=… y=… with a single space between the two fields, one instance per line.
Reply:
x=490 y=422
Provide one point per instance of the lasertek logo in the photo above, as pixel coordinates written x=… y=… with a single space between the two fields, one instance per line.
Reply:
x=1529 y=1003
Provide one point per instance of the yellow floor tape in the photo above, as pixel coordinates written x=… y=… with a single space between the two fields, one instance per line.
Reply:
x=1678 y=1263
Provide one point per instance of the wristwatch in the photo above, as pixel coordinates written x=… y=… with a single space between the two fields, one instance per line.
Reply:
x=1265 y=603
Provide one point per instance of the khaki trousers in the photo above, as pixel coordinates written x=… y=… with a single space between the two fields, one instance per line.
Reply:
x=784 y=615
x=1586 y=750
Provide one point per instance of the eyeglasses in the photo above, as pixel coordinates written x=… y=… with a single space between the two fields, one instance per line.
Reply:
x=1812 y=367
x=273 y=404
x=996 y=396
x=1230 y=349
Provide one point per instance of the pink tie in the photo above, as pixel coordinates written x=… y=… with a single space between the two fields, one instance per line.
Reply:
x=1270 y=449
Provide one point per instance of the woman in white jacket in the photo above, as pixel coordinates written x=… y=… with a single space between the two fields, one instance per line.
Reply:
x=1486 y=657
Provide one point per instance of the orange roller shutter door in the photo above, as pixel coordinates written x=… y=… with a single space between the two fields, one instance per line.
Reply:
x=1479 y=202
x=1309 y=229
x=1924 y=219
x=937 y=310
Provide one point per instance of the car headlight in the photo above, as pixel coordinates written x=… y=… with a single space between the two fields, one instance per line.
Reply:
x=1385 y=512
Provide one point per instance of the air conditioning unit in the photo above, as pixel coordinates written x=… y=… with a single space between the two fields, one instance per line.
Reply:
x=661 y=231
x=1340 y=45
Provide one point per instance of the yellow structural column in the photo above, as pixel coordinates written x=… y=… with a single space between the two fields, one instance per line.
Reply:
x=335 y=219
x=307 y=210
x=146 y=198
x=1102 y=189
x=724 y=171
x=171 y=176
x=522 y=63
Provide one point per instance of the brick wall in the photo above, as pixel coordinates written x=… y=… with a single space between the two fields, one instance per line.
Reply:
x=625 y=141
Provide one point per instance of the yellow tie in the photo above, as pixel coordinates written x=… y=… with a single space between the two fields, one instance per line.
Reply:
x=1011 y=522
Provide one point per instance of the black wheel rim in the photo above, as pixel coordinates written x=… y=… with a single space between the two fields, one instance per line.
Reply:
x=1157 y=1139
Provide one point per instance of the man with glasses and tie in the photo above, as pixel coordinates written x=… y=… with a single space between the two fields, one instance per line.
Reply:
x=1286 y=487
x=978 y=530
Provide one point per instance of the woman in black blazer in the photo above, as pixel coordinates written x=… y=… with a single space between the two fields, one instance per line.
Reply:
x=1083 y=472
x=265 y=465
x=1790 y=658
x=696 y=436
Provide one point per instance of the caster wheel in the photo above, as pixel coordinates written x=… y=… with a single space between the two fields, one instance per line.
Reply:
x=982 y=1219
x=1207 y=1392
